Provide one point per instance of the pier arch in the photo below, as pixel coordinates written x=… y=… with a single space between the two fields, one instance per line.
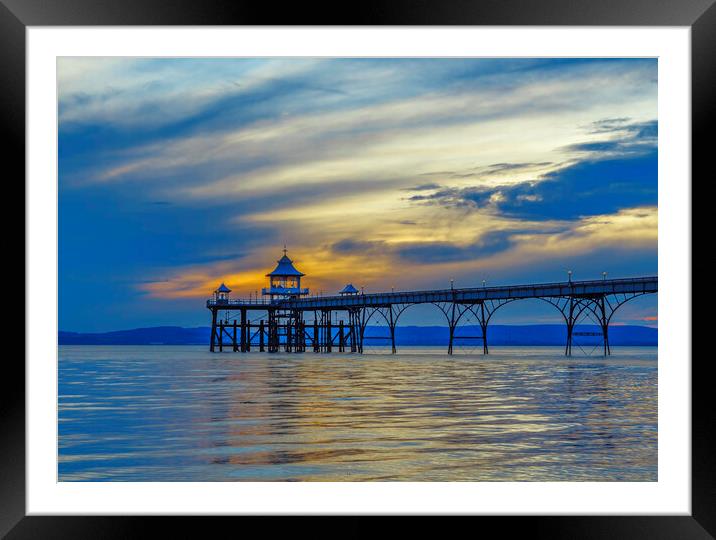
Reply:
x=544 y=310
x=603 y=311
x=384 y=316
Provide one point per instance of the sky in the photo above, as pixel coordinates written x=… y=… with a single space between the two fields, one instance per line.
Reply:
x=176 y=174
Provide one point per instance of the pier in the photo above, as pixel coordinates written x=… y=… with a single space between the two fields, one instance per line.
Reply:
x=287 y=319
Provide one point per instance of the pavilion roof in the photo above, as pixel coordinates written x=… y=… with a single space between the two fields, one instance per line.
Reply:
x=285 y=268
x=349 y=289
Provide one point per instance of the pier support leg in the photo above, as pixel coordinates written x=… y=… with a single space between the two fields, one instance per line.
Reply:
x=221 y=336
x=243 y=330
x=261 y=336
x=361 y=333
x=352 y=330
x=451 y=338
x=483 y=325
x=604 y=323
x=451 y=325
x=213 y=330
x=302 y=326
x=233 y=336
x=570 y=328
x=272 y=331
x=568 y=347
x=341 y=343
x=392 y=332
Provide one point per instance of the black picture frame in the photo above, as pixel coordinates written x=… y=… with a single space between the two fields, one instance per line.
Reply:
x=16 y=15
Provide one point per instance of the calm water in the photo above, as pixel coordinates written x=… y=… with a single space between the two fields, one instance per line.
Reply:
x=183 y=414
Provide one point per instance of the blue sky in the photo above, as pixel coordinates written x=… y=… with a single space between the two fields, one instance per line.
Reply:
x=177 y=174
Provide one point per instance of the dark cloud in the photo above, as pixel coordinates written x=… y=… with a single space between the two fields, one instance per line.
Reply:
x=438 y=173
x=423 y=187
x=616 y=174
x=347 y=246
x=589 y=187
x=607 y=125
x=634 y=138
x=442 y=252
x=497 y=168
x=430 y=252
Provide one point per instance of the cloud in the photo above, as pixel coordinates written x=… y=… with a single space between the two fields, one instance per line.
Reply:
x=583 y=189
x=616 y=174
x=423 y=187
x=378 y=264
x=499 y=168
x=441 y=252
x=631 y=139
x=427 y=252
x=249 y=142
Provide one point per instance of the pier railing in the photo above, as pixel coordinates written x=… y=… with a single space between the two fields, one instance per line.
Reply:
x=564 y=288
x=476 y=294
x=238 y=302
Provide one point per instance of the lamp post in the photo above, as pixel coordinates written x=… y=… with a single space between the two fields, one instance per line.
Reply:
x=452 y=283
x=483 y=283
x=604 y=276
x=569 y=275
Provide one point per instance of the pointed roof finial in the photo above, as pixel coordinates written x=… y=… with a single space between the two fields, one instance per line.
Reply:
x=285 y=267
x=223 y=288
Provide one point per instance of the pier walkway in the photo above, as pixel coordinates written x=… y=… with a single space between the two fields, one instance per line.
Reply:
x=296 y=323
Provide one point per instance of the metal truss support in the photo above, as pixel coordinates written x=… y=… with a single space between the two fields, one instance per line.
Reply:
x=482 y=311
x=597 y=309
x=573 y=310
x=390 y=313
x=604 y=308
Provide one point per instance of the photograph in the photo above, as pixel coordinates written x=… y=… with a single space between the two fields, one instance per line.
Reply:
x=358 y=269
x=412 y=259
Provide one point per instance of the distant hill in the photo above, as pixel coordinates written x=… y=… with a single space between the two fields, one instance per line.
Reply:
x=538 y=334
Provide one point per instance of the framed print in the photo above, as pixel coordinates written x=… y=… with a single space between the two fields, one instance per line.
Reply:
x=434 y=260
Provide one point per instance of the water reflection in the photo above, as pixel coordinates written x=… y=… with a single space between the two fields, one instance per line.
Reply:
x=182 y=414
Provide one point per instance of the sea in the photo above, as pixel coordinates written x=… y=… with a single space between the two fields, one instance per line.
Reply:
x=180 y=413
